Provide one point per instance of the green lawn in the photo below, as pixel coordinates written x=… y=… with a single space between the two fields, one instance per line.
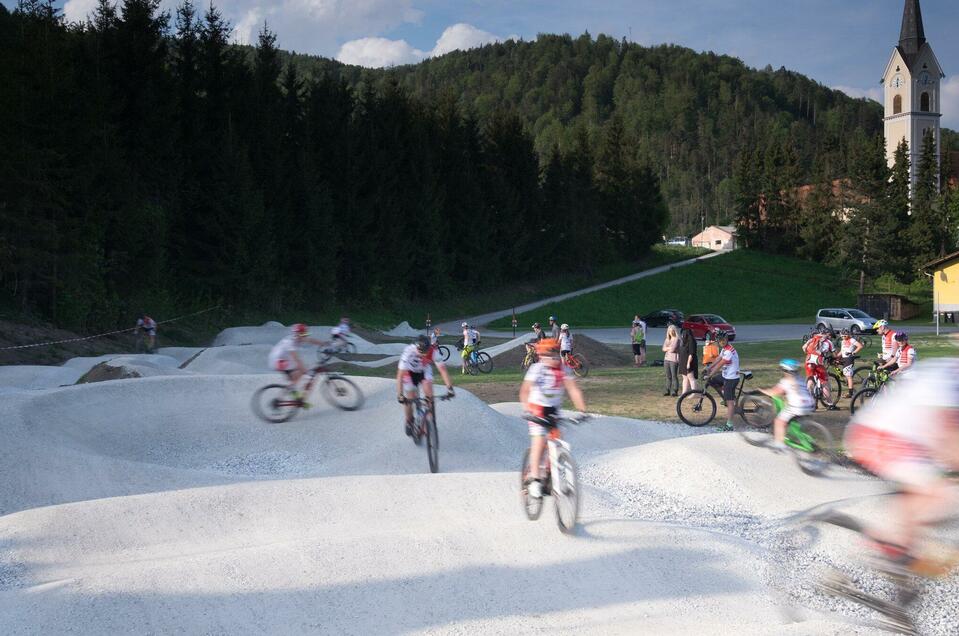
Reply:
x=474 y=302
x=742 y=287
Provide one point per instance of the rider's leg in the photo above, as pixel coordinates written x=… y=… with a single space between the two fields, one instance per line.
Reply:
x=779 y=430
x=537 y=445
x=916 y=508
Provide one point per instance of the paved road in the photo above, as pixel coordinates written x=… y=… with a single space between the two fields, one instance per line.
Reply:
x=453 y=326
x=744 y=333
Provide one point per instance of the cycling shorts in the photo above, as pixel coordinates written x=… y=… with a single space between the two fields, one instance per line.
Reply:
x=565 y=352
x=816 y=370
x=847 y=366
x=412 y=379
x=892 y=457
x=467 y=350
x=547 y=412
x=789 y=413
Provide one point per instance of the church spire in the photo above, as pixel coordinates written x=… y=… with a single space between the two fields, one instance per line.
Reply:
x=912 y=36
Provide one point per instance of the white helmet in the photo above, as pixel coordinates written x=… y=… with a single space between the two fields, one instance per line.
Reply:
x=464 y=325
x=564 y=327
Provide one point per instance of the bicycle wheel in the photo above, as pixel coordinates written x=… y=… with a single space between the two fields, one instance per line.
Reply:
x=350 y=348
x=342 y=393
x=417 y=423
x=835 y=391
x=581 y=367
x=444 y=352
x=862 y=398
x=813 y=445
x=275 y=403
x=531 y=505
x=567 y=495
x=696 y=408
x=484 y=362
x=432 y=440
x=757 y=412
x=863 y=377
x=866 y=341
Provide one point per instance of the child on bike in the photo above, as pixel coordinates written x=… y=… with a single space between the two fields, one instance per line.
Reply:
x=565 y=341
x=797 y=398
x=339 y=335
x=727 y=365
x=284 y=356
x=542 y=392
x=415 y=369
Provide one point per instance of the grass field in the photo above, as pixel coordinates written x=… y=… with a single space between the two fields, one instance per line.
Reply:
x=742 y=287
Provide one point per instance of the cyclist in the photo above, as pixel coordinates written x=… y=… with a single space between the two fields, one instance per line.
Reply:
x=471 y=338
x=888 y=339
x=414 y=369
x=728 y=380
x=538 y=335
x=819 y=350
x=637 y=336
x=565 y=341
x=905 y=355
x=435 y=336
x=284 y=355
x=147 y=326
x=542 y=394
x=848 y=348
x=798 y=400
x=553 y=328
x=909 y=435
x=340 y=333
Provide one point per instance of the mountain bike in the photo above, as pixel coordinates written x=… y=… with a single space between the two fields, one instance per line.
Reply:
x=812 y=440
x=340 y=344
x=531 y=357
x=563 y=482
x=443 y=352
x=577 y=363
x=478 y=362
x=698 y=408
x=817 y=388
x=277 y=403
x=424 y=426
x=904 y=584
x=872 y=385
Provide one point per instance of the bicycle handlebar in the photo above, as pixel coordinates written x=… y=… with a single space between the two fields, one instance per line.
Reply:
x=442 y=398
x=529 y=417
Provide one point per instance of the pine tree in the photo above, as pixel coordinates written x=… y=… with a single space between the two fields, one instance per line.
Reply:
x=930 y=234
x=898 y=200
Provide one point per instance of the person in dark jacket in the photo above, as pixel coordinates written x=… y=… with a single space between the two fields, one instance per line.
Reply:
x=688 y=360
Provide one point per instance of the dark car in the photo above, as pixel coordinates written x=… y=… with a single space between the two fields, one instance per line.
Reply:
x=700 y=324
x=663 y=317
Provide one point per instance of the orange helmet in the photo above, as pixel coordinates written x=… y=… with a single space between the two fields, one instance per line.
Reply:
x=547 y=347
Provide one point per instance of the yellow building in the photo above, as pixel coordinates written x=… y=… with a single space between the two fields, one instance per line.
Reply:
x=945 y=283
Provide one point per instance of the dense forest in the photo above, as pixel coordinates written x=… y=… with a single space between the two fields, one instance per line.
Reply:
x=146 y=161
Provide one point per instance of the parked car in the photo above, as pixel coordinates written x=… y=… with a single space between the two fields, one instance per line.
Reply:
x=853 y=319
x=663 y=318
x=700 y=324
x=678 y=240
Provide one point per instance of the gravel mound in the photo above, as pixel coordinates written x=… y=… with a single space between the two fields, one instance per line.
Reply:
x=598 y=354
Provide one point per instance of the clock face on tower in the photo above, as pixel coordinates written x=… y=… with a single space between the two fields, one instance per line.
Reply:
x=897 y=81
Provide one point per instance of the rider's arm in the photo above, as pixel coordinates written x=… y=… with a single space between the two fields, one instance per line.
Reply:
x=318 y=343
x=776 y=390
x=575 y=394
x=399 y=382
x=858 y=348
x=446 y=377
x=524 y=390
x=717 y=365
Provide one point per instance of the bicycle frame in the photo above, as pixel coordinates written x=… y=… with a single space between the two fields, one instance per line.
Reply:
x=555 y=441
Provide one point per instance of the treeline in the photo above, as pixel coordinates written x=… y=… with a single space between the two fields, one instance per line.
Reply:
x=146 y=162
x=867 y=223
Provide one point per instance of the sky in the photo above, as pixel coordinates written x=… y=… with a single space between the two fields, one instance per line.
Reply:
x=844 y=44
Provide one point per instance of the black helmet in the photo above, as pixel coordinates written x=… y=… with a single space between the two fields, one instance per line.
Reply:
x=720 y=334
x=845 y=332
x=422 y=344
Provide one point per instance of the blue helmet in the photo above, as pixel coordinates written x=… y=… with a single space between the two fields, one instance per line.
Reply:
x=789 y=365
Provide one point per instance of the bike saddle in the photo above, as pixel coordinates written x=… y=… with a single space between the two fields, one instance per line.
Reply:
x=746 y=374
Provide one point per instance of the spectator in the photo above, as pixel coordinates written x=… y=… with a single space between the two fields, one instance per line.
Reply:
x=553 y=328
x=637 y=336
x=688 y=360
x=671 y=361
x=710 y=350
x=146 y=326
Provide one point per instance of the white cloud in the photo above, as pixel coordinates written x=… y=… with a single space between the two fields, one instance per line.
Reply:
x=78 y=10
x=248 y=27
x=872 y=93
x=950 y=103
x=380 y=52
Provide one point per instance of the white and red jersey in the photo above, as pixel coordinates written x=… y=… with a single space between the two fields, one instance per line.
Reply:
x=470 y=337
x=565 y=341
x=342 y=330
x=281 y=351
x=818 y=349
x=731 y=356
x=415 y=362
x=848 y=347
x=147 y=324
x=549 y=387
x=906 y=355
x=889 y=344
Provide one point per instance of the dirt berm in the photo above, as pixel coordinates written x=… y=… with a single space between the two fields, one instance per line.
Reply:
x=599 y=355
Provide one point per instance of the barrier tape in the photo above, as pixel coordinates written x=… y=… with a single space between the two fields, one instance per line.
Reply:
x=103 y=335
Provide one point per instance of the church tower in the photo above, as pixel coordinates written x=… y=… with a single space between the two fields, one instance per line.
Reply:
x=912 y=84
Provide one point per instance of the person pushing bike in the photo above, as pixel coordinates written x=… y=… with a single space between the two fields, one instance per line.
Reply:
x=819 y=351
x=541 y=394
x=415 y=369
x=284 y=356
x=471 y=338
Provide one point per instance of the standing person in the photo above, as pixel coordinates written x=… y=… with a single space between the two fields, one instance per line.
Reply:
x=888 y=339
x=710 y=350
x=553 y=329
x=638 y=337
x=819 y=351
x=565 y=342
x=671 y=361
x=848 y=348
x=728 y=363
x=538 y=335
x=905 y=355
x=688 y=360
x=435 y=336
x=471 y=338
x=148 y=327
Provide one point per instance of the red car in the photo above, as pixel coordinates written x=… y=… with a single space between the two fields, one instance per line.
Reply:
x=699 y=324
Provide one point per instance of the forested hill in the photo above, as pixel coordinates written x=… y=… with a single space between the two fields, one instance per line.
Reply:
x=688 y=114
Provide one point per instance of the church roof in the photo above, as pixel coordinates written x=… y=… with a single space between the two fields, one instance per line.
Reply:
x=912 y=36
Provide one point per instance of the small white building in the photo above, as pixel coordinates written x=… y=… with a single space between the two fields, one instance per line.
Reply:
x=718 y=238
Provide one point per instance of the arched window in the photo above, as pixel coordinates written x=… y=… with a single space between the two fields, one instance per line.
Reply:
x=897 y=104
x=924 y=103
